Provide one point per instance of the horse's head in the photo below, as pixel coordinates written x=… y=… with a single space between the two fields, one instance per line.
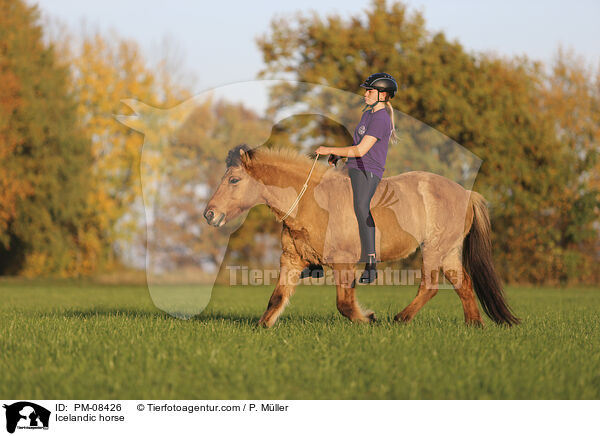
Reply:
x=238 y=190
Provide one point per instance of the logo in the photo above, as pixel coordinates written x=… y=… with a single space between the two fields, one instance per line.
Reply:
x=361 y=129
x=26 y=415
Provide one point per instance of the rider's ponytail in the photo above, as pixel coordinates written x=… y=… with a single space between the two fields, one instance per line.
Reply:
x=390 y=111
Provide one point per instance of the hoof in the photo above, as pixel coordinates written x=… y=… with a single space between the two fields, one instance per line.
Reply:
x=262 y=323
x=371 y=317
x=402 y=318
x=475 y=323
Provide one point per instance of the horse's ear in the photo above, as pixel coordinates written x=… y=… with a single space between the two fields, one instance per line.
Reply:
x=246 y=156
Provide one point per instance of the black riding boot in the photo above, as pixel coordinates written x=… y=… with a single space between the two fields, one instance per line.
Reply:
x=313 y=270
x=369 y=275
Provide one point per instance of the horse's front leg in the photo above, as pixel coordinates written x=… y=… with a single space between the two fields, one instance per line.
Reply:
x=289 y=275
x=347 y=303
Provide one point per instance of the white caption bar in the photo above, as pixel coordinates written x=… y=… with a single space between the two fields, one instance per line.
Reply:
x=251 y=417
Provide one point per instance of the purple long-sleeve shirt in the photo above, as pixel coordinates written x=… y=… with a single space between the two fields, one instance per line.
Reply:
x=379 y=125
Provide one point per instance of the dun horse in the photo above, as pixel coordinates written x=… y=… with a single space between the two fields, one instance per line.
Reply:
x=415 y=209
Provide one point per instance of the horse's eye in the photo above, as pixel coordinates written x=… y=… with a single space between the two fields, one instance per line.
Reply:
x=234 y=180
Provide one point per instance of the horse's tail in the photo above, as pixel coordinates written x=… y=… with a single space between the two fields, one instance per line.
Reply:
x=478 y=261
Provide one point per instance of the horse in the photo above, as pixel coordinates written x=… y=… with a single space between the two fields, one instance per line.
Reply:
x=416 y=209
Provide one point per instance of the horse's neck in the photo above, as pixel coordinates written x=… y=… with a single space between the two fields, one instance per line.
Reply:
x=283 y=183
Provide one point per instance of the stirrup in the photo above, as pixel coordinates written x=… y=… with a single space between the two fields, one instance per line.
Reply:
x=369 y=275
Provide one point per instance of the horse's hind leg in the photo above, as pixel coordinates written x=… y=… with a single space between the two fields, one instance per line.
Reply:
x=458 y=276
x=430 y=271
x=346 y=296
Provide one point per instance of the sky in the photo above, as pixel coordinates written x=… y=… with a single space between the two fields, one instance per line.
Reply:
x=215 y=41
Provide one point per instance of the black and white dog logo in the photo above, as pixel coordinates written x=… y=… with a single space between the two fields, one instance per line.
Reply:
x=26 y=415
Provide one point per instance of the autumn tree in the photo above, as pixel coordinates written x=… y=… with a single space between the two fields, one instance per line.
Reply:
x=13 y=184
x=107 y=70
x=43 y=170
x=539 y=184
x=571 y=98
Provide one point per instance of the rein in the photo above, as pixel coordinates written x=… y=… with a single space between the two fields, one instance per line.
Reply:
x=302 y=191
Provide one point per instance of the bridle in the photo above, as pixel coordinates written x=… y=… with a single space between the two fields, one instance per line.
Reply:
x=302 y=191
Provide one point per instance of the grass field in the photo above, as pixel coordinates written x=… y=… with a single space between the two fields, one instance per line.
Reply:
x=70 y=340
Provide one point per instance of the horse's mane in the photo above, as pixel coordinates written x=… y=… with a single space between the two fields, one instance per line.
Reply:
x=276 y=156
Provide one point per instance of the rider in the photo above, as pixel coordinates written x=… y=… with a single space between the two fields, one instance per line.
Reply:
x=366 y=163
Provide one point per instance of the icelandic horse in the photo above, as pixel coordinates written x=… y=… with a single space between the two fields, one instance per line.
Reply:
x=412 y=210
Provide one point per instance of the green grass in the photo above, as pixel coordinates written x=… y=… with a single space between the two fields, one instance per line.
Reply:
x=75 y=341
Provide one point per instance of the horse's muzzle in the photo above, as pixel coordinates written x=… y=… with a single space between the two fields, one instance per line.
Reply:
x=214 y=220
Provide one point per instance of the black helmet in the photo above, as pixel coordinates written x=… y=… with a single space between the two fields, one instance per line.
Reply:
x=381 y=82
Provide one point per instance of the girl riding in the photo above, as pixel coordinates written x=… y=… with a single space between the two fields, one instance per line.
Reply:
x=366 y=164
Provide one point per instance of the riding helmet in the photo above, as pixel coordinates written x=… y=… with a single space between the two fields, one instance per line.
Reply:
x=381 y=82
